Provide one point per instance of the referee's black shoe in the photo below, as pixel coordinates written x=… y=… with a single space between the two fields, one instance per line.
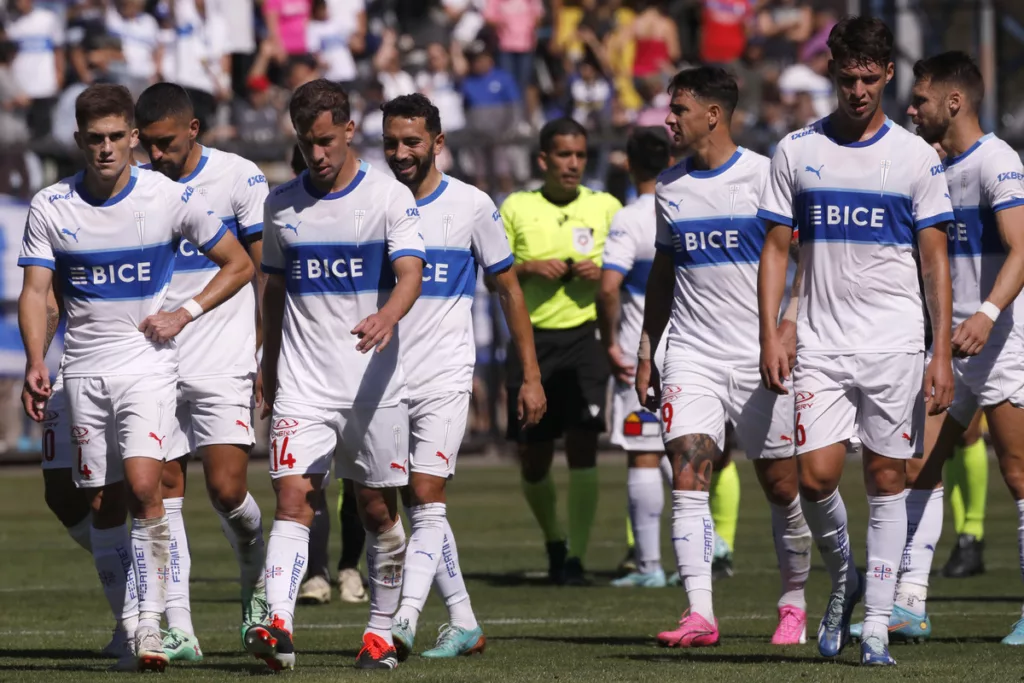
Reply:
x=557 y=552
x=574 y=573
x=966 y=559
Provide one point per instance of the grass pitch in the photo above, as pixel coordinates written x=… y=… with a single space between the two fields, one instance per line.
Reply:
x=53 y=618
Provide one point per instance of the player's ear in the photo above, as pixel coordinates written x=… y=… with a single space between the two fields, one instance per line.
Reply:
x=439 y=143
x=542 y=160
x=78 y=141
x=133 y=138
x=714 y=115
x=350 y=131
x=954 y=101
x=890 y=71
x=193 y=129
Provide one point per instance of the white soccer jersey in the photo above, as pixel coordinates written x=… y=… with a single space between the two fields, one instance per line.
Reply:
x=139 y=37
x=629 y=250
x=984 y=180
x=462 y=229
x=113 y=261
x=707 y=222
x=223 y=341
x=858 y=207
x=335 y=252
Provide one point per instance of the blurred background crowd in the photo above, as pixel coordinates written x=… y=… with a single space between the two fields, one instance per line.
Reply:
x=497 y=70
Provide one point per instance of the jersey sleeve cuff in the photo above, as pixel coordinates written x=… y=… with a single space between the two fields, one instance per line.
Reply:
x=1008 y=204
x=501 y=266
x=407 y=252
x=271 y=270
x=767 y=215
x=616 y=268
x=26 y=261
x=212 y=242
x=945 y=217
x=251 y=231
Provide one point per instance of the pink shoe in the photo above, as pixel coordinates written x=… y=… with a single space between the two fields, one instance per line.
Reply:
x=792 y=628
x=694 y=631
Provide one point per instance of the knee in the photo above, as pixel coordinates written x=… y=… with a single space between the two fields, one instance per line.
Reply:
x=424 y=489
x=887 y=478
x=534 y=462
x=693 y=458
x=296 y=503
x=782 y=492
x=172 y=479
x=226 y=493
x=1012 y=469
x=377 y=509
x=109 y=506
x=68 y=503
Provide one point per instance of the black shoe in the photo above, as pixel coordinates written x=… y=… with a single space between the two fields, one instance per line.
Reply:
x=966 y=558
x=376 y=653
x=273 y=644
x=557 y=551
x=574 y=573
x=628 y=564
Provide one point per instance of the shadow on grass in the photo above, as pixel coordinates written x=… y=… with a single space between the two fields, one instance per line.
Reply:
x=579 y=640
x=666 y=657
x=1015 y=599
x=535 y=579
x=53 y=653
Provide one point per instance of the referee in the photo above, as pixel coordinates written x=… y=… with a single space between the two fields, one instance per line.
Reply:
x=557 y=235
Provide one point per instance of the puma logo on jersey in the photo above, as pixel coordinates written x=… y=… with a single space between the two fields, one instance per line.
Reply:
x=401 y=468
x=242 y=425
x=443 y=457
x=293 y=228
x=815 y=171
x=786 y=438
x=675 y=205
x=65 y=231
x=158 y=439
x=907 y=436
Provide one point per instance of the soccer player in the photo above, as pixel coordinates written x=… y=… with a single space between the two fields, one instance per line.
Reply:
x=335 y=240
x=110 y=235
x=703 y=286
x=462 y=230
x=216 y=359
x=985 y=182
x=865 y=195
x=557 y=235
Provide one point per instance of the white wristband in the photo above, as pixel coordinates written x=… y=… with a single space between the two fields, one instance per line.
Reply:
x=193 y=308
x=990 y=309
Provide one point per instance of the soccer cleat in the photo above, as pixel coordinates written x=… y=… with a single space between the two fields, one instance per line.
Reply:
x=674 y=579
x=693 y=631
x=904 y=627
x=403 y=635
x=1016 y=636
x=181 y=647
x=655 y=579
x=149 y=651
x=455 y=641
x=125 y=654
x=255 y=610
x=115 y=648
x=350 y=585
x=557 y=552
x=873 y=652
x=377 y=653
x=575 y=575
x=792 y=628
x=272 y=644
x=628 y=563
x=315 y=591
x=966 y=558
x=721 y=561
x=834 y=630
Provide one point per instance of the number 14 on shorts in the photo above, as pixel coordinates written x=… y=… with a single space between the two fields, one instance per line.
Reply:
x=280 y=457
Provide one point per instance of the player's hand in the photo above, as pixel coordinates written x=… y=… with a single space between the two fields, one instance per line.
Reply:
x=586 y=270
x=648 y=385
x=36 y=391
x=374 y=330
x=774 y=365
x=621 y=368
x=164 y=326
x=549 y=269
x=938 y=385
x=787 y=336
x=532 y=403
x=970 y=336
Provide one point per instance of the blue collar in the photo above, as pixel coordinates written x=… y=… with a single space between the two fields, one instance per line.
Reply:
x=199 y=167
x=952 y=161
x=110 y=201
x=435 y=194
x=317 y=194
x=712 y=172
x=827 y=131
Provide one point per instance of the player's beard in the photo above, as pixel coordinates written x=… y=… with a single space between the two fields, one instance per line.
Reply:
x=422 y=167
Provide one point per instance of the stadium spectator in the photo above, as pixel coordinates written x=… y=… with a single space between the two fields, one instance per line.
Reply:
x=657 y=41
x=388 y=64
x=723 y=35
x=784 y=25
x=240 y=42
x=202 y=67
x=257 y=119
x=85 y=19
x=39 y=64
x=809 y=77
x=286 y=26
x=106 y=64
x=328 y=37
x=493 y=110
x=591 y=95
x=440 y=82
x=14 y=103
x=139 y=34
x=515 y=22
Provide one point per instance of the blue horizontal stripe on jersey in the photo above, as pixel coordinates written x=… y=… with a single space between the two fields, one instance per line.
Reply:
x=188 y=258
x=115 y=274
x=975 y=232
x=716 y=241
x=636 y=279
x=856 y=216
x=35 y=44
x=448 y=274
x=338 y=268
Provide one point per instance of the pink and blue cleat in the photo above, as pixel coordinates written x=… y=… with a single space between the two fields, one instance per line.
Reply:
x=792 y=629
x=694 y=631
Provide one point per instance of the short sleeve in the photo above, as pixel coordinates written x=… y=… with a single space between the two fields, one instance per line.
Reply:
x=620 y=247
x=1002 y=180
x=489 y=242
x=273 y=258
x=57 y=32
x=247 y=199
x=36 y=247
x=930 y=197
x=200 y=225
x=508 y=220
x=776 y=203
x=662 y=229
x=402 y=229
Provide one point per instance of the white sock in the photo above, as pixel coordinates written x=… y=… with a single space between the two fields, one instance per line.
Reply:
x=665 y=465
x=422 y=556
x=451 y=585
x=151 y=539
x=827 y=521
x=81 y=532
x=179 y=606
x=646 y=500
x=793 y=550
x=243 y=527
x=924 y=527
x=385 y=555
x=887 y=535
x=693 y=537
x=287 y=558
x=112 y=555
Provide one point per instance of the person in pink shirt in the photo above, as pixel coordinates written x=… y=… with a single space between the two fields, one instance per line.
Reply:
x=515 y=22
x=286 y=26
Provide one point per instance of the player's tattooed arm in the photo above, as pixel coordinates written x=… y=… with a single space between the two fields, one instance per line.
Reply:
x=54 y=310
x=693 y=458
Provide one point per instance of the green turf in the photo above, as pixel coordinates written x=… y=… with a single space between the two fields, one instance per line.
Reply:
x=53 y=617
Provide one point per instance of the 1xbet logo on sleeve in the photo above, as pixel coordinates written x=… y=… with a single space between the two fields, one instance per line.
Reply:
x=1010 y=175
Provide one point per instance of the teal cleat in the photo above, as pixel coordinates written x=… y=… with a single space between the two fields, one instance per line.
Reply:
x=873 y=652
x=655 y=579
x=674 y=579
x=181 y=647
x=904 y=627
x=721 y=561
x=1016 y=636
x=453 y=641
x=403 y=636
x=255 y=610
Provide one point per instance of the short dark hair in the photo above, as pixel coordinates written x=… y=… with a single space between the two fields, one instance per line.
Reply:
x=297 y=162
x=648 y=150
x=316 y=97
x=708 y=83
x=861 y=41
x=161 y=101
x=556 y=127
x=954 y=68
x=102 y=100
x=414 y=106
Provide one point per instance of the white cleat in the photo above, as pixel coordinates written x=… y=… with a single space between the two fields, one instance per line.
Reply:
x=350 y=583
x=315 y=591
x=115 y=648
x=149 y=650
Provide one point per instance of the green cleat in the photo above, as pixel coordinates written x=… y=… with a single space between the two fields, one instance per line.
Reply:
x=181 y=647
x=453 y=641
x=403 y=637
x=255 y=610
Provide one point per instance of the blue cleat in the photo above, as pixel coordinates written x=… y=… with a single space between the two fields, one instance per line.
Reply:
x=1016 y=636
x=834 y=630
x=904 y=627
x=453 y=641
x=403 y=637
x=655 y=579
x=873 y=652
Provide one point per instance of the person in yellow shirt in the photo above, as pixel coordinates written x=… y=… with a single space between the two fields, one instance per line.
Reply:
x=557 y=235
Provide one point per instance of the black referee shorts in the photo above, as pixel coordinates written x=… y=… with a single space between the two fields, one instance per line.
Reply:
x=574 y=371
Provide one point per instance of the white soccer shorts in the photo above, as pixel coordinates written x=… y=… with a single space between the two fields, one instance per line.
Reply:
x=369 y=444
x=113 y=418
x=634 y=428
x=876 y=397
x=214 y=410
x=698 y=398
x=993 y=376
x=58 y=453
x=436 y=426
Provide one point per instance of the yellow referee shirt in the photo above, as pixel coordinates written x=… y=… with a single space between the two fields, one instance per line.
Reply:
x=539 y=230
